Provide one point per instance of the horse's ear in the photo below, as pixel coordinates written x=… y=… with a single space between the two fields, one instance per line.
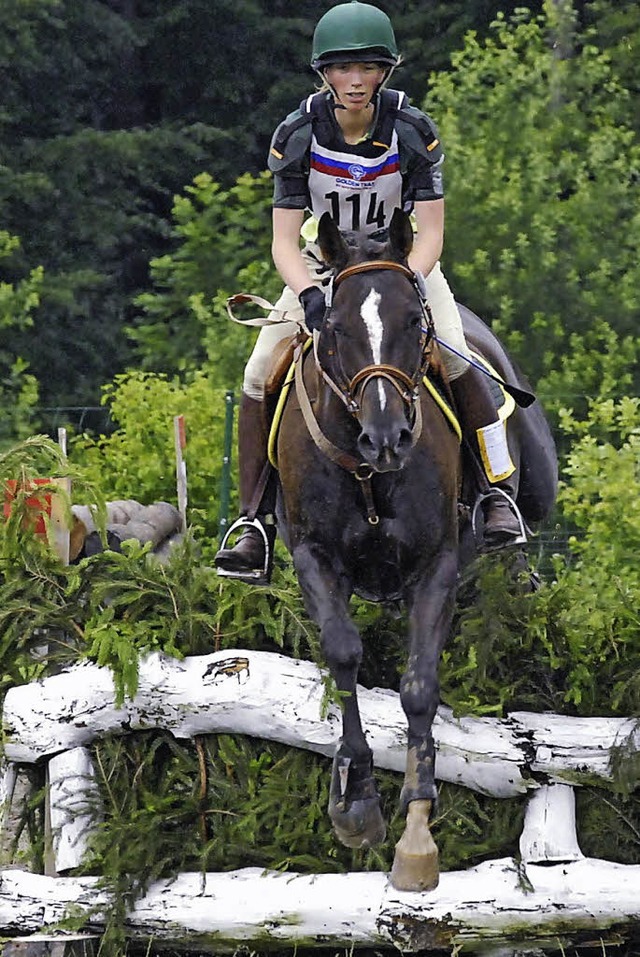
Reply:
x=332 y=245
x=400 y=234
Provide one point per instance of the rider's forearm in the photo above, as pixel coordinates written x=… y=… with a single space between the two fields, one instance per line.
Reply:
x=285 y=249
x=425 y=254
x=427 y=245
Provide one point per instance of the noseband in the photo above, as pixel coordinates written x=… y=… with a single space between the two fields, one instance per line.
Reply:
x=347 y=390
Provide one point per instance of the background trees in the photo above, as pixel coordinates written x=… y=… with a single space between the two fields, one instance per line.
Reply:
x=111 y=107
x=18 y=388
x=543 y=229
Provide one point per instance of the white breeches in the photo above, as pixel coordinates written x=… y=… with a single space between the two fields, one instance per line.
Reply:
x=445 y=313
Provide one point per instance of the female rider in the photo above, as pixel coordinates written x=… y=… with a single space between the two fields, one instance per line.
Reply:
x=359 y=151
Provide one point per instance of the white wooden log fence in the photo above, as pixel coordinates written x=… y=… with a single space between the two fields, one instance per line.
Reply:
x=552 y=894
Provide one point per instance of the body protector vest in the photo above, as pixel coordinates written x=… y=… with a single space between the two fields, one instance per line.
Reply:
x=360 y=186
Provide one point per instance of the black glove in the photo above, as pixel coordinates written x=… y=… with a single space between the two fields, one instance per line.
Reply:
x=313 y=302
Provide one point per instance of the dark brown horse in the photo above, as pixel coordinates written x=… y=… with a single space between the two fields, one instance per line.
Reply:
x=370 y=475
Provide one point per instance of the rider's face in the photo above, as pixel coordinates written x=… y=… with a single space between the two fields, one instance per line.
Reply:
x=354 y=84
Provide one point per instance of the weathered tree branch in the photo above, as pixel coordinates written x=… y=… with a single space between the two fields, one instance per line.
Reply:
x=549 y=832
x=272 y=696
x=74 y=805
x=499 y=900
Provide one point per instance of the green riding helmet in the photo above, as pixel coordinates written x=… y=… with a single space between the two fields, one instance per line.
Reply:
x=354 y=32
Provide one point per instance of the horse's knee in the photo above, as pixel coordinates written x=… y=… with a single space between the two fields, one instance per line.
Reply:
x=419 y=693
x=341 y=644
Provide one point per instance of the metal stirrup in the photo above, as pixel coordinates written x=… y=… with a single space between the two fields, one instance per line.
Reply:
x=245 y=522
x=483 y=496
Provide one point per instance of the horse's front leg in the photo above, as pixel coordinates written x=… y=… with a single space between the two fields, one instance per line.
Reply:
x=415 y=865
x=354 y=805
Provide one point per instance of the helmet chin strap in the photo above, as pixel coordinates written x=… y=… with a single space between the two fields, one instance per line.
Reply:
x=337 y=105
x=387 y=77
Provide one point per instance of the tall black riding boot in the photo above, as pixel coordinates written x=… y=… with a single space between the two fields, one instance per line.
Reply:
x=249 y=558
x=487 y=436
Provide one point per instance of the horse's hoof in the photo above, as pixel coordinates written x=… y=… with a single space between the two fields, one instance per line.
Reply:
x=415 y=864
x=415 y=872
x=362 y=825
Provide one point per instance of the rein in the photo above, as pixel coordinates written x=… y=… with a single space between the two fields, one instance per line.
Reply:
x=362 y=471
x=405 y=385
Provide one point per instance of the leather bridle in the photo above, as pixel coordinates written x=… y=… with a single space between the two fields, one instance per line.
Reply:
x=350 y=390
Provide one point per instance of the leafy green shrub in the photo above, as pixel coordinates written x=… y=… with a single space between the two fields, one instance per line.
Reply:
x=116 y=606
x=594 y=625
x=225 y=239
x=580 y=632
x=498 y=626
x=223 y=802
x=609 y=825
x=34 y=603
x=138 y=459
x=537 y=152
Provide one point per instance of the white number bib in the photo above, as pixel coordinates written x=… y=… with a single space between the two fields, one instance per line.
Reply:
x=360 y=193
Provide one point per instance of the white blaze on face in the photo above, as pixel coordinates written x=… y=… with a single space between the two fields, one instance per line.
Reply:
x=373 y=322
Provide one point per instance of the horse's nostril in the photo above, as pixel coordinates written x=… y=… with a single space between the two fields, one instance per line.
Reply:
x=385 y=447
x=405 y=441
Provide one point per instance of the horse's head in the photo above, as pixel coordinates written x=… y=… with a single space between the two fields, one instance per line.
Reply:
x=371 y=346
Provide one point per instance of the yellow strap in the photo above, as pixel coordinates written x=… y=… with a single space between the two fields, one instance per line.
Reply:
x=444 y=406
x=272 y=445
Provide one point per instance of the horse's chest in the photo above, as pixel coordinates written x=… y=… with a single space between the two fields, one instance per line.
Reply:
x=379 y=562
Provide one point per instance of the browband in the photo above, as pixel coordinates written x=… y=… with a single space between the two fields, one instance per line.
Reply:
x=370 y=266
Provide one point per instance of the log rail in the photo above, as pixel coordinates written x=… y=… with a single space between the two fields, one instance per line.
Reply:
x=551 y=894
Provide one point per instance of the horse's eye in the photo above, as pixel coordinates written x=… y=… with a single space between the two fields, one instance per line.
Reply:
x=414 y=321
